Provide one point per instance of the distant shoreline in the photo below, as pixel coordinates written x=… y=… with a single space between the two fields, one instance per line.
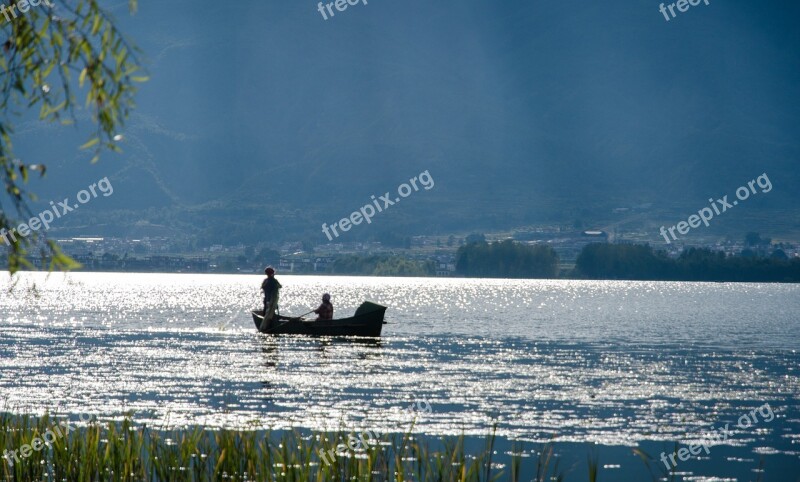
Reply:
x=362 y=275
x=484 y=260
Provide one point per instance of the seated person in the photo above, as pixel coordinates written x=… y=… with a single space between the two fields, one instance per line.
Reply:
x=325 y=310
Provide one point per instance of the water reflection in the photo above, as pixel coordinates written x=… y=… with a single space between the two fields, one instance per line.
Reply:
x=606 y=362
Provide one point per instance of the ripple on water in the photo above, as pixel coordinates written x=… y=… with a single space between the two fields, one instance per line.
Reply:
x=607 y=362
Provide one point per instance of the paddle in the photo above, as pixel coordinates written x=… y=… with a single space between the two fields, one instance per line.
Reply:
x=294 y=318
x=304 y=314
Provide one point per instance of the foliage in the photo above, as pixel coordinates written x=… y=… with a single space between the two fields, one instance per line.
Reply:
x=506 y=259
x=475 y=238
x=755 y=239
x=397 y=266
x=122 y=451
x=391 y=239
x=51 y=53
x=267 y=256
x=140 y=453
x=623 y=261
x=641 y=262
x=381 y=265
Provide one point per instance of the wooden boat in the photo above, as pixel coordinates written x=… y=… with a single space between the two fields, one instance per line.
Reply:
x=367 y=321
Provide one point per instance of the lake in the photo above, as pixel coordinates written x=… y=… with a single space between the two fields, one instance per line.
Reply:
x=602 y=366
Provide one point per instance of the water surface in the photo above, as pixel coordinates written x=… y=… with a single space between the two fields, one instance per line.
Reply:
x=609 y=362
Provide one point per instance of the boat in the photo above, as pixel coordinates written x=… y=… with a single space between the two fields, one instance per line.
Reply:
x=367 y=321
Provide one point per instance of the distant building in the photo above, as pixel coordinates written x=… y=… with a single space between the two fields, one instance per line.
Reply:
x=321 y=264
x=445 y=270
x=88 y=240
x=297 y=263
x=596 y=234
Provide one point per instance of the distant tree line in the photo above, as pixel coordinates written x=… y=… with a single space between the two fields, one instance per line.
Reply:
x=641 y=262
x=381 y=265
x=506 y=259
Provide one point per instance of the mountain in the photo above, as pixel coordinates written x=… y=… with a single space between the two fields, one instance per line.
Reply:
x=264 y=120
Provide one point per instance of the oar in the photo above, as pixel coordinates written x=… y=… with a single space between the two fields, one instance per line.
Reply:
x=296 y=318
x=304 y=314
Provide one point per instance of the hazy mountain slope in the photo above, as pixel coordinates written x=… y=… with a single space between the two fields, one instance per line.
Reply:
x=521 y=111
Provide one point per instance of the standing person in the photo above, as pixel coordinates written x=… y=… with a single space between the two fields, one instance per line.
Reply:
x=271 y=289
x=325 y=310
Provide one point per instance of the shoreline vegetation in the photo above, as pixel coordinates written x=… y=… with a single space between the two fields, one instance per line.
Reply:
x=123 y=451
x=514 y=260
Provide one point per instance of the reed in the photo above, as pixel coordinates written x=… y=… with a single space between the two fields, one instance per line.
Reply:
x=122 y=451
